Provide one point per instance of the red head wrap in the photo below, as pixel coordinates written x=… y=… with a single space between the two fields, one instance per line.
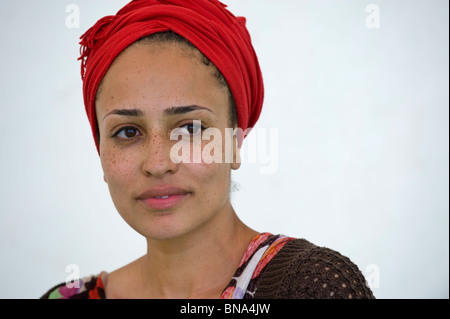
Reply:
x=211 y=28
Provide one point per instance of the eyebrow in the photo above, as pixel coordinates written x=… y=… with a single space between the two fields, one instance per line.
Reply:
x=125 y=112
x=173 y=110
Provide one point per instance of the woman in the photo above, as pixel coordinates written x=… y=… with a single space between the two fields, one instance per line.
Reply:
x=157 y=76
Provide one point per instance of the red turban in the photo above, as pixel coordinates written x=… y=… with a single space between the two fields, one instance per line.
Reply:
x=207 y=24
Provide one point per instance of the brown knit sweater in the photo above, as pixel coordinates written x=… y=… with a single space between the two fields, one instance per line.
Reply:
x=304 y=270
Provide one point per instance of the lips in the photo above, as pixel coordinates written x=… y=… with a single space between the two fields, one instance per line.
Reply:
x=163 y=198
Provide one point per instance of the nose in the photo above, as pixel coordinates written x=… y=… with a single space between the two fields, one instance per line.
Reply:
x=156 y=159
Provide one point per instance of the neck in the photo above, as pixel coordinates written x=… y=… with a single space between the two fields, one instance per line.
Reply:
x=199 y=264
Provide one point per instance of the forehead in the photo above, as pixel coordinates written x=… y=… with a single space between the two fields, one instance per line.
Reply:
x=163 y=74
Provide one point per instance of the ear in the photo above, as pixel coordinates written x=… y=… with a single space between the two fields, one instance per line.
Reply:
x=104 y=178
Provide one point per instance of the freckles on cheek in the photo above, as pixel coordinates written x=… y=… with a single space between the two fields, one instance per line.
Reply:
x=116 y=167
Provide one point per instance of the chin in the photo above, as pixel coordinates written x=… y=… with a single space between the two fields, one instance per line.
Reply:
x=163 y=228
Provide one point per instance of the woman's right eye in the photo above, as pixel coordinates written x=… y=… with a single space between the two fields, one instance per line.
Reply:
x=127 y=133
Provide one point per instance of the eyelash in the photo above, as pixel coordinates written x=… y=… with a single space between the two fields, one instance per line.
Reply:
x=138 y=133
x=201 y=128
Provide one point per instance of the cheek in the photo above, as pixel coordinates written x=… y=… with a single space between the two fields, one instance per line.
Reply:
x=213 y=180
x=117 y=169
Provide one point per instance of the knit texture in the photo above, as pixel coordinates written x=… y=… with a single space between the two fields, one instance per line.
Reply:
x=302 y=270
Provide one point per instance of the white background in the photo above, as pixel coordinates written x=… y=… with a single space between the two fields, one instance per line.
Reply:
x=363 y=126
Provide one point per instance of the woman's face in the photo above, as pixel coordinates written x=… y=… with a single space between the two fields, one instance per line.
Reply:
x=149 y=92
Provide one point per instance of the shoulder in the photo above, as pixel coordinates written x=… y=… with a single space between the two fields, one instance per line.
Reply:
x=90 y=287
x=304 y=270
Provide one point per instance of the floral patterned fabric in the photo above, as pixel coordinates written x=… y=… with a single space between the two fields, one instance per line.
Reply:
x=243 y=285
x=86 y=288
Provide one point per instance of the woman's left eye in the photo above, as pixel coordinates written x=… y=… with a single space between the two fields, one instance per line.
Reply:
x=193 y=128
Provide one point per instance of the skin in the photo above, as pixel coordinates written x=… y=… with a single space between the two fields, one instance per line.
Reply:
x=194 y=248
